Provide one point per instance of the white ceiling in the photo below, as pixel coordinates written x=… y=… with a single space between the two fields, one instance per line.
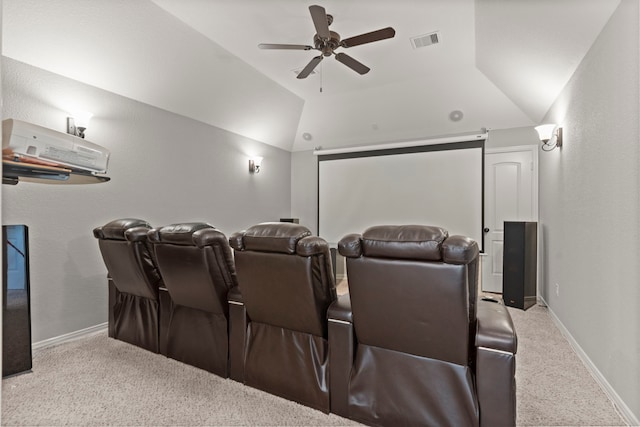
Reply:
x=501 y=62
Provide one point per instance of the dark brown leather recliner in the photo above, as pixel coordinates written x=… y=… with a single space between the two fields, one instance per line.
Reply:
x=134 y=280
x=411 y=344
x=196 y=263
x=279 y=324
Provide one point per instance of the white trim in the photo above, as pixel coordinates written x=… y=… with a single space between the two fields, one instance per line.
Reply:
x=391 y=145
x=510 y=148
x=623 y=410
x=494 y=350
x=235 y=302
x=344 y=322
x=71 y=336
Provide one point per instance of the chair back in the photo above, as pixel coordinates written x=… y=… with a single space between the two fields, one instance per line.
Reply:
x=129 y=257
x=413 y=290
x=285 y=276
x=196 y=263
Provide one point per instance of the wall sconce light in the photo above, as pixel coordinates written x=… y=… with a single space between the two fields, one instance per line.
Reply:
x=254 y=164
x=550 y=136
x=77 y=124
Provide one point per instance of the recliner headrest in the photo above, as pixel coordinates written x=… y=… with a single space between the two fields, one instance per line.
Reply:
x=117 y=229
x=417 y=242
x=280 y=237
x=404 y=241
x=198 y=234
x=459 y=250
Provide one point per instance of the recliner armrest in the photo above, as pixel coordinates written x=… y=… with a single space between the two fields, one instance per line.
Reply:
x=237 y=334
x=496 y=343
x=341 y=353
x=495 y=328
x=340 y=309
x=234 y=296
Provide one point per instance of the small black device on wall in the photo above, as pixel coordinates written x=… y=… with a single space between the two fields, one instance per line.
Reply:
x=16 y=311
x=519 y=268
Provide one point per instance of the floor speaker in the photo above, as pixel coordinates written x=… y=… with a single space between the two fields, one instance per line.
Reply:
x=519 y=267
x=16 y=307
x=293 y=220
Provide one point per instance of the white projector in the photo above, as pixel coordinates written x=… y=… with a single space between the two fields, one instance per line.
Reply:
x=39 y=143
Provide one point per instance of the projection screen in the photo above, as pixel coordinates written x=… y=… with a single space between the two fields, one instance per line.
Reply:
x=433 y=184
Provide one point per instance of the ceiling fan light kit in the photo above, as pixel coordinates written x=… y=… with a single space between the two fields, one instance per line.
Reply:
x=327 y=41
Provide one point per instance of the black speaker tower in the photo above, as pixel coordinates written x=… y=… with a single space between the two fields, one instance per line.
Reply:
x=519 y=268
x=16 y=307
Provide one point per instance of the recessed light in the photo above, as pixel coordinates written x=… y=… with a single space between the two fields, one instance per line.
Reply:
x=456 y=115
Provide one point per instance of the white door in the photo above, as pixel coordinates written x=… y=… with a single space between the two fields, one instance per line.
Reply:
x=511 y=194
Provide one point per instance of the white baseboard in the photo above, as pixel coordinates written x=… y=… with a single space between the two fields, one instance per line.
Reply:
x=615 y=399
x=71 y=336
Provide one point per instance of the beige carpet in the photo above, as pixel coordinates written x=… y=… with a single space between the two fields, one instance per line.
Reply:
x=99 y=381
x=554 y=388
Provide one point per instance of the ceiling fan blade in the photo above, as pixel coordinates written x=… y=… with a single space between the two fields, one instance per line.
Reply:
x=284 y=46
x=373 y=36
x=319 y=16
x=356 y=66
x=310 y=66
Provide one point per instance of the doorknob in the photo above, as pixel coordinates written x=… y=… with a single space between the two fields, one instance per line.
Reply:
x=486 y=229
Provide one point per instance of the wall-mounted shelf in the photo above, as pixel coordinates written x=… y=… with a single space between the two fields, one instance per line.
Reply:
x=15 y=172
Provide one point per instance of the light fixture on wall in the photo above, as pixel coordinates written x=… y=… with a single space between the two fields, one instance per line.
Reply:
x=550 y=136
x=254 y=164
x=78 y=123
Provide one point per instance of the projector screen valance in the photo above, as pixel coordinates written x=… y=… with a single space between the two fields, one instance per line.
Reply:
x=432 y=184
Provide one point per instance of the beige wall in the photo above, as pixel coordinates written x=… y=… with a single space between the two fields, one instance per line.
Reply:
x=164 y=168
x=500 y=138
x=589 y=208
x=304 y=188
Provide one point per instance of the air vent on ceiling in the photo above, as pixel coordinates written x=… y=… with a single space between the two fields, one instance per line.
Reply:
x=425 y=40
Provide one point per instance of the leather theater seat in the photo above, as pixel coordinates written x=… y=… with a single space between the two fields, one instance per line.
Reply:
x=411 y=344
x=196 y=263
x=279 y=324
x=134 y=280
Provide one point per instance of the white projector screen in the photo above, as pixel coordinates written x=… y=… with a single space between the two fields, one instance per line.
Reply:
x=440 y=184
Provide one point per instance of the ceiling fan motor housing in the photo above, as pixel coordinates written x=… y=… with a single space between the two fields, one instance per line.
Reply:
x=327 y=46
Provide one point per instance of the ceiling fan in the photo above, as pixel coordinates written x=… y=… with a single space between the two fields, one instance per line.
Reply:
x=327 y=42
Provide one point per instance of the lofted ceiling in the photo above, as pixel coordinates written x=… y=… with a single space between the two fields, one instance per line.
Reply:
x=498 y=64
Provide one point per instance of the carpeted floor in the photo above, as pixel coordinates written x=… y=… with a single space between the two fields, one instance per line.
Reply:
x=554 y=388
x=99 y=381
